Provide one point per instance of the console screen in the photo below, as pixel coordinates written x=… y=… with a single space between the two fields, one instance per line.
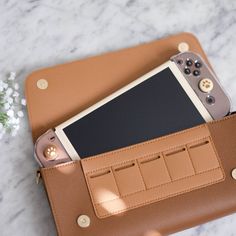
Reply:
x=156 y=107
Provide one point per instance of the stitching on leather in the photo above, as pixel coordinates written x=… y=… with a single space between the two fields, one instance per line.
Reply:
x=186 y=146
x=141 y=174
x=167 y=168
x=151 y=154
x=117 y=182
x=187 y=177
x=159 y=199
x=164 y=184
x=114 y=180
x=161 y=185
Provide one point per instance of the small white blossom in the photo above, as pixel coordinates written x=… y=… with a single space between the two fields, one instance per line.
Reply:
x=12 y=76
x=9 y=91
x=11 y=105
x=16 y=86
x=17 y=99
x=10 y=113
x=5 y=85
x=6 y=106
x=1 y=86
x=20 y=114
x=15 y=94
x=14 y=121
x=23 y=102
x=17 y=127
x=9 y=100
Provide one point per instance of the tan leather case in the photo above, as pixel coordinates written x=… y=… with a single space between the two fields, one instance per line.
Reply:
x=157 y=187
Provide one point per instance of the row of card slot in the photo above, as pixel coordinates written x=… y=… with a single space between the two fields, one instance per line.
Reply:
x=152 y=171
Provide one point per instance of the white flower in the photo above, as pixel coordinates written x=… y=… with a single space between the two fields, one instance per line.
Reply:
x=9 y=100
x=20 y=114
x=9 y=91
x=12 y=105
x=12 y=76
x=1 y=86
x=15 y=94
x=17 y=121
x=10 y=113
x=23 y=102
x=16 y=86
x=5 y=85
x=16 y=99
x=13 y=121
x=16 y=127
x=6 y=106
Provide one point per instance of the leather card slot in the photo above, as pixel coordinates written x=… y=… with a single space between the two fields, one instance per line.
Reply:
x=179 y=163
x=176 y=151
x=100 y=174
x=124 y=167
x=128 y=178
x=150 y=159
x=103 y=186
x=203 y=156
x=154 y=171
x=198 y=144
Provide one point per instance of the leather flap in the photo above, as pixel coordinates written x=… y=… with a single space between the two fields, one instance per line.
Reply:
x=148 y=172
x=75 y=86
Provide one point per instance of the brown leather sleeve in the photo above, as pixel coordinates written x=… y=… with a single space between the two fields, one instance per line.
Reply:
x=196 y=189
x=202 y=200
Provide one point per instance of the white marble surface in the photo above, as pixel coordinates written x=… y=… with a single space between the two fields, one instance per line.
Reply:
x=41 y=33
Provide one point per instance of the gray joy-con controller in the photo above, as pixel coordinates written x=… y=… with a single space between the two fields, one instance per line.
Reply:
x=204 y=83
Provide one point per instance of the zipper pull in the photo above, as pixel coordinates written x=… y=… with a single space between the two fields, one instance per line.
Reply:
x=38 y=176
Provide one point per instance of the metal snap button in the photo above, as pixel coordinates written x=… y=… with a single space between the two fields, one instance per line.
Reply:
x=233 y=173
x=183 y=47
x=83 y=221
x=42 y=84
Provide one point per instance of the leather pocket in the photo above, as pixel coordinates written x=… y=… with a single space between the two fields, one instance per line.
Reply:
x=103 y=186
x=128 y=177
x=203 y=155
x=179 y=163
x=154 y=171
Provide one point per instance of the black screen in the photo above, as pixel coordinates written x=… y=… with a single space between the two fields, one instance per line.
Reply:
x=156 y=107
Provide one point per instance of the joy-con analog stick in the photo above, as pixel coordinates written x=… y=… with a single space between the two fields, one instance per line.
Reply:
x=50 y=152
x=206 y=85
